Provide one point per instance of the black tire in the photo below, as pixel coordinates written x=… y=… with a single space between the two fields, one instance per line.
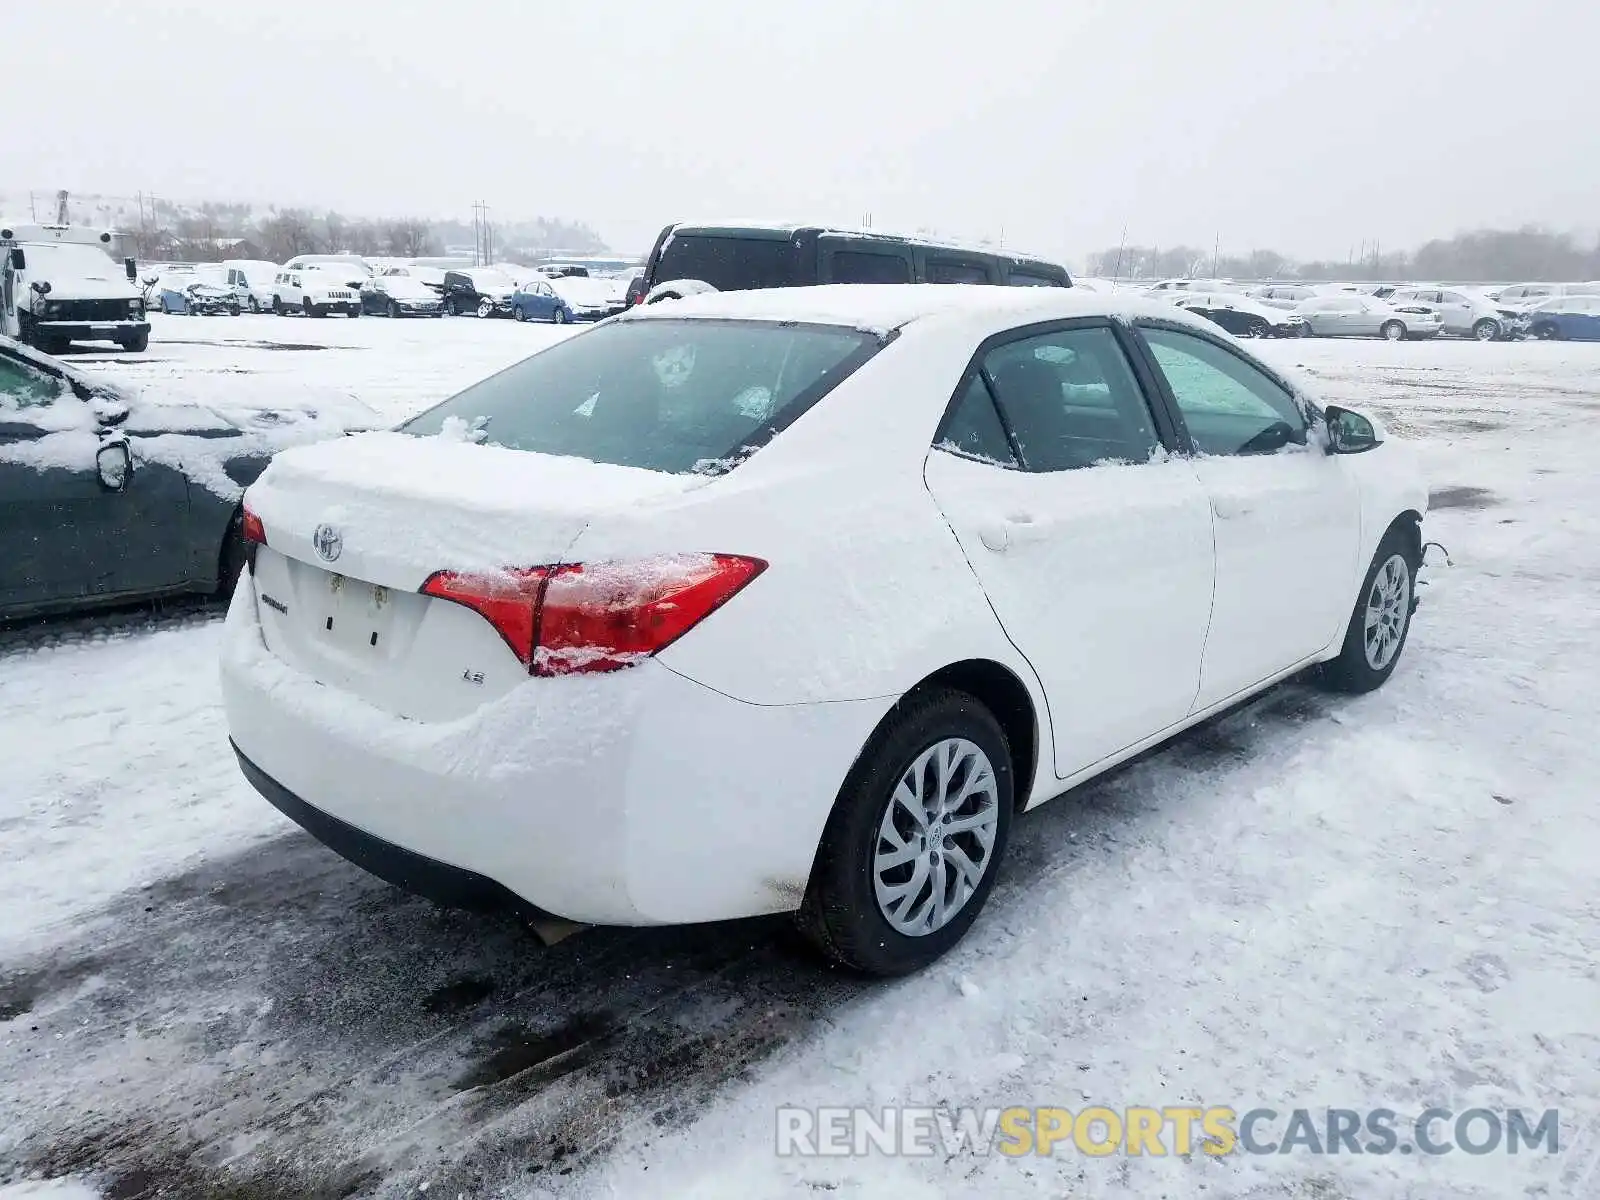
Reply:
x=449 y=306
x=1392 y=331
x=520 y=313
x=840 y=913
x=1486 y=330
x=255 y=305
x=1258 y=329
x=138 y=343
x=306 y=307
x=1306 y=330
x=1353 y=671
x=279 y=307
x=394 y=310
x=560 y=316
x=233 y=310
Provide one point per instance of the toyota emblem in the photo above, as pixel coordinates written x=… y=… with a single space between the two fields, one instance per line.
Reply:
x=328 y=541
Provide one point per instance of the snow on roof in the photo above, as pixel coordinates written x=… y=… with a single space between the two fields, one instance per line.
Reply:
x=879 y=308
x=844 y=230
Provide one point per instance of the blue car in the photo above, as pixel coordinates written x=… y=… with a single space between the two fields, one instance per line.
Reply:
x=561 y=300
x=536 y=300
x=1566 y=318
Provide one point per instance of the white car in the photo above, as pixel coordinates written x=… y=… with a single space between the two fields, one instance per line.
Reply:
x=1350 y=314
x=1464 y=313
x=252 y=279
x=788 y=600
x=314 y=292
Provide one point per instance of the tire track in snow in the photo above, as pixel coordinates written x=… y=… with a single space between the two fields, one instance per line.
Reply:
x=275 y=1022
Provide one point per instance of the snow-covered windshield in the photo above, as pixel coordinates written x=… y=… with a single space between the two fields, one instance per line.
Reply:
x=65 y=260
x=665 y=395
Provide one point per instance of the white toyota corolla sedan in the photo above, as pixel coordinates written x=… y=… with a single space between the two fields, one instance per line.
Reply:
x=788 y=601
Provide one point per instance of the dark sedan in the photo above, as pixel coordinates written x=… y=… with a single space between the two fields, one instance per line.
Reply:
x=399 y=296
x=108 y=497
x=484 y=291
x=1243 y=316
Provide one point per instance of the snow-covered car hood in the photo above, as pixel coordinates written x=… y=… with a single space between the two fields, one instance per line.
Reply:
x=318 y=282
x=402 y=287
x=191 y=434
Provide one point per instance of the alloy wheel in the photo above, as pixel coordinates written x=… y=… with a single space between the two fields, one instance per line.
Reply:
x=936 y=838
x=1388 y=606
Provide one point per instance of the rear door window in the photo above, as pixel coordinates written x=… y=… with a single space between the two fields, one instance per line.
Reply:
x=973 y=428
x=855 y=266
x=730 y=263
x=1071 y=400
x=674 y=395
x=951 y=270
x=1018 y=278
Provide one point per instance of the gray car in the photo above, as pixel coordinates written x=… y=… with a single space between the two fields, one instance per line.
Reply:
x=107 y=497
x=1350 y=314
x=1464 y=313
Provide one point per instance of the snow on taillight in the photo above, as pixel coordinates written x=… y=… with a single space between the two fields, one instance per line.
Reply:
x=577 y=618
x=251 y=528
x=508 y=600
x=603 y=616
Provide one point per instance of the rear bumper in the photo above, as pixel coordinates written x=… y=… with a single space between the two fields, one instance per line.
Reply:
x=633 y=798
x=416 y=873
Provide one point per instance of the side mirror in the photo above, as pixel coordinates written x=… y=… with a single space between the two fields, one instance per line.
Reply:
x=42 y=287
x=114 y=464
x=1349 y=432
x=131 y=267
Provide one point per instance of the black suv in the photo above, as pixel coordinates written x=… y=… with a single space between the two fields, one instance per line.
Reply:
x=733 y=258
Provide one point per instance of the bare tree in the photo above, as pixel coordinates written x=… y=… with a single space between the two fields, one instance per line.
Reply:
x=409 y=238
x=287 y=234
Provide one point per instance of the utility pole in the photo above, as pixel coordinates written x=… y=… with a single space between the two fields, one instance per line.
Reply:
x=1116 y=271
x=1216 y=250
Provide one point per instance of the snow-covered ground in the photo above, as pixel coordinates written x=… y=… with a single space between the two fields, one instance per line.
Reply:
x=1387 y=901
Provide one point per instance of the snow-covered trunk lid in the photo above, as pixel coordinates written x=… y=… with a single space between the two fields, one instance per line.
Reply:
x=356 y=526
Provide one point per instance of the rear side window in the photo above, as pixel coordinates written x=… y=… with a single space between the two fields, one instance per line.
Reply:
x=730 y=264
x=973 y=427
x=1030 y=279
x=944 y=270
x=1071 y=400
x=664 y=395
x=852 y=266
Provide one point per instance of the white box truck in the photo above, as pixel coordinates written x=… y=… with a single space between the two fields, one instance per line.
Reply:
x=59 y=285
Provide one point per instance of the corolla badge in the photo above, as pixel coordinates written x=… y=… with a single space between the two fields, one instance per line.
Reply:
x=328 y=541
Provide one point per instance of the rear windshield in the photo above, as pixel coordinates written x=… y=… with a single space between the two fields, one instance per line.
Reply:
x=730 y=264
x=675 y=395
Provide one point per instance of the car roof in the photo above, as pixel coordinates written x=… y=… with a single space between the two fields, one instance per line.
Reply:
x=738 y=225
x=880 y=308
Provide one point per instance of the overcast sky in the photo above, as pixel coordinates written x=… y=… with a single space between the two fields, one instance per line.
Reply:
x=1299 y=125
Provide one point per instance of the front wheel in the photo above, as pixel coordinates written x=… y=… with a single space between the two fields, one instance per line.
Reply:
x=1257 y=329
x=138 y=343
x=519 y=313
x=914 y=842
x=485 y=309
x=279 y=307
x=1486 y=330
x=560 y=316
x=394 y=310
x=449 y=306
x=1392 y=331
x=255 y=305
x=1380 y=621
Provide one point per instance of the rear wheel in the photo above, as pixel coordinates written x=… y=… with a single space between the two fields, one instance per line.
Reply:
x=914 y=842
x=1380 y=621
x=1392 y=331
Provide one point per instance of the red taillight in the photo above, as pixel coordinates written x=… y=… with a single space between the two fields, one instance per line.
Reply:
x=251 y=528
x=584 y=617
x=508 y=600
